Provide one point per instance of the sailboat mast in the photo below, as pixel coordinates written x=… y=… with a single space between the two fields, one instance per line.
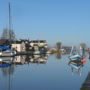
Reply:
x=9 y=21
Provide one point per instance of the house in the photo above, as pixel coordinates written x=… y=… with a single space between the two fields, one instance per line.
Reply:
x=19 y=46
x=39 y=43
x=26 y=45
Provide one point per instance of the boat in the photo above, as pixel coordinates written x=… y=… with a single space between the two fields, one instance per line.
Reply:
x=6 y=51
x=5 y=54
x=74 y=54
x=75 y=57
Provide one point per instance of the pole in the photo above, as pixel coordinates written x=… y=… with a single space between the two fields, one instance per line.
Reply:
x=9 y=21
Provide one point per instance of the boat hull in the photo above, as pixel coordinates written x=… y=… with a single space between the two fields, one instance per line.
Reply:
x=75 y=57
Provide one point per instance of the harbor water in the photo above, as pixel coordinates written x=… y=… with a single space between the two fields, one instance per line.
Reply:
x=43 y=72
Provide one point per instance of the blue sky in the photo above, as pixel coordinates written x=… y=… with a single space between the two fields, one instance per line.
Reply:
x=67 y=21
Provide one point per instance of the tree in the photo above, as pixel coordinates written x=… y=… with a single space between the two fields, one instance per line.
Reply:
x=8 y=35
x=58 y=45
x=83 y=45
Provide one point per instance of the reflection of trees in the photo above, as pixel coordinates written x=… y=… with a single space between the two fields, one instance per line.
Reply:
x=86 y=84
x=58 y=56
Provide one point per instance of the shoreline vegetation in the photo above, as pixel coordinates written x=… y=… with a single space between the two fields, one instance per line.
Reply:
x=55 y=51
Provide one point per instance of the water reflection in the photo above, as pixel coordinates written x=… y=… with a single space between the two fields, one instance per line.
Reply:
x=8 y=68
x=40 y=59
x=19 y=60
x=76 y=65
x=6 y=65
x=58 y=56
x=6 y=62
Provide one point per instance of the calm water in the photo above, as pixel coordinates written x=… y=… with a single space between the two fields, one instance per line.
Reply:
x=53 y=72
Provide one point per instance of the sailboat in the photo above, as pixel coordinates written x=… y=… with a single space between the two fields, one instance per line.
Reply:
x=74 y=54
x=7 y=51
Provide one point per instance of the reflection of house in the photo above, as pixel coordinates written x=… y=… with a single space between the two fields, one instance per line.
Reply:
x=19 y=60
x=38 y=59
x=33 y=59
x=19 y=46
x=86 y=84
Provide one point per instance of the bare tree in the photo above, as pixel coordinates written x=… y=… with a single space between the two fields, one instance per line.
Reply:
x=8 y=35
x=58 y=45
x=83 y=45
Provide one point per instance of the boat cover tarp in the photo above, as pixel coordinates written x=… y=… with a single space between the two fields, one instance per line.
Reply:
x=4 y=47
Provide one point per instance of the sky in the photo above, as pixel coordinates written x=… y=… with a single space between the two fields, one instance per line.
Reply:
x=67 y=21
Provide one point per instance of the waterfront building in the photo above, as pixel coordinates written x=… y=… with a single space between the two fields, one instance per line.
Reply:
x=19 y=46
x=39 y=43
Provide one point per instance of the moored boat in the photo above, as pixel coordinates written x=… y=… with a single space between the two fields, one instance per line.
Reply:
x=74 y=55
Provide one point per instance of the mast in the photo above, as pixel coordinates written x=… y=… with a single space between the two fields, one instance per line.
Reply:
x=8 y=33
x=11 y=32
x=9 y=21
